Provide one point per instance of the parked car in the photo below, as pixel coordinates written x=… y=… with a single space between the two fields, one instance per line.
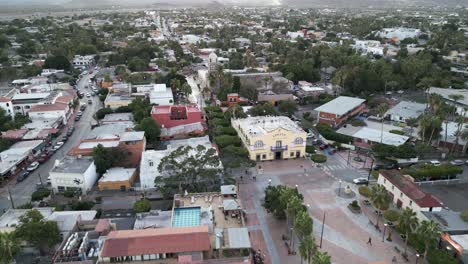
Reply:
x=49 y=182
x=23 y=175
x=58 y=145
x=310 y=135
x=88 y=95
x=316 y=142
x=434 y=163
x=33 y=166
x=457 y=162
x=77 y=118
x=378 y=167
x=323 y=146
x=90 y=101
x=82 y=107
x=361 y=180
x=43 y=157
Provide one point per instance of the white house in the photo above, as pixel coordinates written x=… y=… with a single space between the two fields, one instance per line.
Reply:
x=161 y=95
x=7 y=105
x=73 y=174
x=83 y=62
x=405 y=110
x=405 y=193
x=48 y=72
x=49 y=111
x=400 y=33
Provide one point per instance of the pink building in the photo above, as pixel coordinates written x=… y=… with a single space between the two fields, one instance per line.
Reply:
x=168 y=116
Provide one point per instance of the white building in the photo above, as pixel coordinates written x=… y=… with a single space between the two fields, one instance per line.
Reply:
x=49 y=111
x=400 y=33
x=161 y=95
x=7 y=105
x=446 y=93
x=295 y=35
x=23 y=102
x=73 y=174
x=151 y=158
x=48 y=72
x=405 y=110
x=404 y=193
x=17 y=153
x=83 y=62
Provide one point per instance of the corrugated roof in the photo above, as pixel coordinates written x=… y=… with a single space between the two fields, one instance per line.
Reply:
x=156 y=241
x=340 y=105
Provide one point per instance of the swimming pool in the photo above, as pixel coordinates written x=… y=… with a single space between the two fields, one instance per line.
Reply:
x=187 y=216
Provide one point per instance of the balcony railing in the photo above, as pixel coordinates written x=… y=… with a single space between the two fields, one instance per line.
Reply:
x=279 y=148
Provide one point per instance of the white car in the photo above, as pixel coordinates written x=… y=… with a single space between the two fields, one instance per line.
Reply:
x=33 y=166
x=58 y=145
x=310 y=135
x=88 y=95
x=360 y=181
x=434 y=163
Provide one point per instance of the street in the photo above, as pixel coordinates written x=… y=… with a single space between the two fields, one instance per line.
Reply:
x=22 y=191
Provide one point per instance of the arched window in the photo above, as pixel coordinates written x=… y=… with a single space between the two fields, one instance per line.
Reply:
x=258 y=144
x=298 y=141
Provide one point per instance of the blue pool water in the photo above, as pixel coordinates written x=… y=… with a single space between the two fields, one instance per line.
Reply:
x=188 y=216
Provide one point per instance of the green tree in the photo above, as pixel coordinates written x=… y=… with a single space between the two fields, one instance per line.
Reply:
x=429 y=231
x=194 y=169
x=185 y=89
x=408 y=222
x=136 y=64
x=151 y=129
x=303 y=224
x=57 y=62
x=9 y=247
x=380 y=199
x=142 y=206
x=236 y=84
x=37 y=231
x=141 y=108
x=288 y=107
x=102 y=159
x=307 y=248
x=262 y=110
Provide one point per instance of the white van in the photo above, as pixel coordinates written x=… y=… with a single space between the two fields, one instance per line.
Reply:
x=434 y=163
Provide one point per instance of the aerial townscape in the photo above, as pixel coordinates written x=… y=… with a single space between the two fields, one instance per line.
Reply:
x=276 y=132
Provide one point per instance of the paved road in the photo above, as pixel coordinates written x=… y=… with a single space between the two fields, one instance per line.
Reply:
x=21 y=192
x=196 y=96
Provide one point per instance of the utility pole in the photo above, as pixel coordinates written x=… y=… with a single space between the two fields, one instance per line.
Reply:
x=40 y=179
x=370 y=170
x=323 y=227
x=10 y=197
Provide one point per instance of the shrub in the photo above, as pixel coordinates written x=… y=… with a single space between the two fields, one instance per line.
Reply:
x=404 y=151
x=81 y=205
x=329 y=133
x=358 y=123
x=391 y=215
x=225 y=140
x=142 y=206
x=318 y=158
x=398 y=132
x=437 y=256
x=40 y=194
x=375 y=174
x=354 y=204
x=25 y=206
x=69 y=193
x=433 y=172
x=310 y=149
x=464 y=216
x=365 y=191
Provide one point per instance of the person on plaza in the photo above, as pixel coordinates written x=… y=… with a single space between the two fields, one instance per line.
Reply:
x=369 y=242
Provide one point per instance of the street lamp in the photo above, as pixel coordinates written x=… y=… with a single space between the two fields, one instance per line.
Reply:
x=383 y=235
x=339 y=189
x=417 y=258
x=269 y=182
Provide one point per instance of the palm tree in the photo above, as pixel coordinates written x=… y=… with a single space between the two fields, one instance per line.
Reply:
x=380 y=199
x=382 y=109
x=429 y=231
x=464 y=137
x=408 y=222
x=9 y=246
x=294 y=205
x=412 y=122
x=307 y=248
x=424 y=123
x=302 y=225
x=460 y=120
x=321 y=258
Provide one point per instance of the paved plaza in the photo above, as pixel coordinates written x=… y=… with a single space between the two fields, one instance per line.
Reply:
x=345 y=234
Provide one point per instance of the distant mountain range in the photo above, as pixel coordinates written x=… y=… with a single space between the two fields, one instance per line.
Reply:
x=21 y=4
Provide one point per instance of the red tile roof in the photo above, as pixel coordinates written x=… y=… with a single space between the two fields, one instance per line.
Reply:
x=160 y=109
x=410 y=189
x=156 y=241
x=3 y=99
x=48 y=107
x=14 y=134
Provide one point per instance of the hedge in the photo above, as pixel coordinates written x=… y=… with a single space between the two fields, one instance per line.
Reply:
x=225 y=140
x=365 y=191
x=464 y=216
x=404 y=151
x=318 y=158
x=40 y=194
x=427 y=171
x=391 y=215
x=398 y=132
x=310 y=149
x=329 y=133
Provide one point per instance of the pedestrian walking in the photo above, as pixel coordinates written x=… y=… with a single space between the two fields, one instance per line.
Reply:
x=369 y=242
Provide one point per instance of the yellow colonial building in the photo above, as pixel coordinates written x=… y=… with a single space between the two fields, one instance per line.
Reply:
x=271 y=137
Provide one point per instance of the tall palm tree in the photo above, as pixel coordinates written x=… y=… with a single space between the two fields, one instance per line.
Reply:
x=460 y=120
x=293 y=207
x=408 y=222
x=380 y=199
x=303 y=225
x=307 y=248
x=9 y=246
x=382 y=109
x=321 y=258
x=429 y=231
x=464 y=137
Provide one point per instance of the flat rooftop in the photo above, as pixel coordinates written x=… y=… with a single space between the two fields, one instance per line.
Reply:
x=117 y=174
x=73 y=165
x=117 y=117
x=340 y=105
x=262 y=125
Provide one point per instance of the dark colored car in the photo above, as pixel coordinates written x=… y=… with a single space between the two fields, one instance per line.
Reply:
x=22 y=176
x=43 y=157
x=323 y=146
x=77 y=118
